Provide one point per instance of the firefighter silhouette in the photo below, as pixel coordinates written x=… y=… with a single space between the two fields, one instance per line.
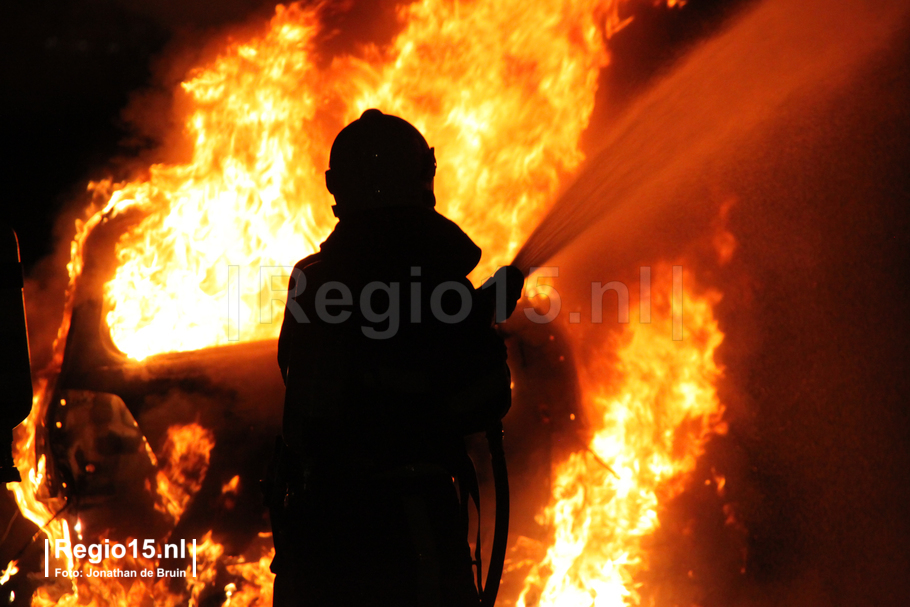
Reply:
x=389 y=357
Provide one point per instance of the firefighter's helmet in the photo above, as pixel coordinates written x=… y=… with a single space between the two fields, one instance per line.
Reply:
x=380 y=160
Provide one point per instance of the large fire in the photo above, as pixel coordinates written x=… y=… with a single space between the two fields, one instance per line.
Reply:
x=503 y=89
x=650 y=425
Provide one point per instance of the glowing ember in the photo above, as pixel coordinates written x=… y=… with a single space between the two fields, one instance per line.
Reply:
x=11 y=570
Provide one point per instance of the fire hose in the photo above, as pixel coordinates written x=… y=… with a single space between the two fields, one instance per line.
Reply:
x=511 y=282
x=501 y=524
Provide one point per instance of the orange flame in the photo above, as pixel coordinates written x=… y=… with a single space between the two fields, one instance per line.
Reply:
x=650 y=426
x=503 y=89
x=11 y=570
x=186 y=460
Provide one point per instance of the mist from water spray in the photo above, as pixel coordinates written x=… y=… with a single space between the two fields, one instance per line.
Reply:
x=780 y=52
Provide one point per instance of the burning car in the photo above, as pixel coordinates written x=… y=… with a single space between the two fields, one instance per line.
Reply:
x=161 y=405
x=165 y=394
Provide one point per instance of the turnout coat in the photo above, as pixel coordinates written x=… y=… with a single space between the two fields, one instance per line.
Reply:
x=389 y=358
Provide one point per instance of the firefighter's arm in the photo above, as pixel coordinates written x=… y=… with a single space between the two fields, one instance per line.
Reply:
x=483 y=400
x=294 y=314
x=499 y=294
x=312 y=356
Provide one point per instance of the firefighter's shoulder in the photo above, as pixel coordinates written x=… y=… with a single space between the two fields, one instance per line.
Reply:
x=305 y=272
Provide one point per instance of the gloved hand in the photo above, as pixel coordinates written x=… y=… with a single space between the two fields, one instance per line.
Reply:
x=504 y=287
